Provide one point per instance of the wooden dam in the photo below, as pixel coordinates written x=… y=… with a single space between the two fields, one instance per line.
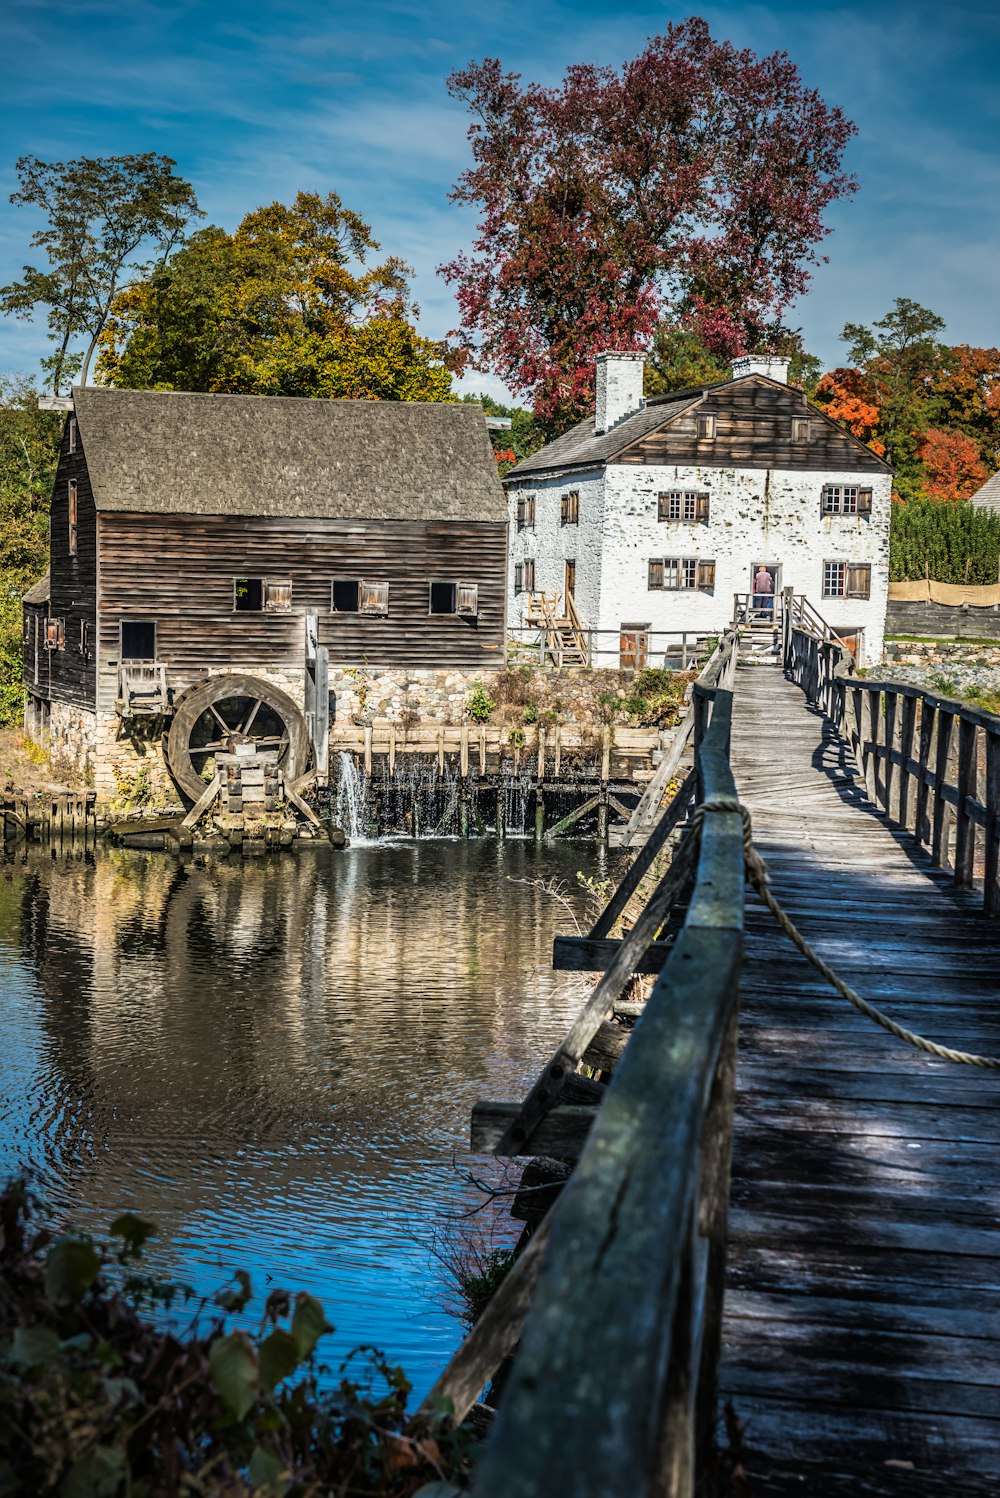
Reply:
x=761 y=1251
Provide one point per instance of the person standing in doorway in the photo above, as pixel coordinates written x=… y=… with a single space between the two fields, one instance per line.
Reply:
x=763 y=593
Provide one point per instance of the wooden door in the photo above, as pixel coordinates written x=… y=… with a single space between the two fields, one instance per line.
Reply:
x=570 y=581
x=633 y=647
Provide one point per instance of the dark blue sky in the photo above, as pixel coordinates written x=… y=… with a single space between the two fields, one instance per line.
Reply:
x=257 y=100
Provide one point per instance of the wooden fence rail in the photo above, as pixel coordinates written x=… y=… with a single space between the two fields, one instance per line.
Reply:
x=617 y=1299
x=930 y=763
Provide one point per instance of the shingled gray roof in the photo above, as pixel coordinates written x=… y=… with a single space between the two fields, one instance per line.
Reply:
x=580 y=447
x=156 y=452
x=38 y=592
x=988 y=497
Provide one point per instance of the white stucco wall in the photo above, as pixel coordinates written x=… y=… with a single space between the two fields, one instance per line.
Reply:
x=756 y=515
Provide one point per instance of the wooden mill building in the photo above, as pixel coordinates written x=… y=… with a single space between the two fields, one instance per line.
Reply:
x=209 y=544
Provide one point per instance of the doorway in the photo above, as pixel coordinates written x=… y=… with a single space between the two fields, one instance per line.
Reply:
x=633 y=647
x=570 y=583
x=764 y=613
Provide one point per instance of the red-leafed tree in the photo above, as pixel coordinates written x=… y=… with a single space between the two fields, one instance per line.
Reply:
x=694 y=178
x=953 y=468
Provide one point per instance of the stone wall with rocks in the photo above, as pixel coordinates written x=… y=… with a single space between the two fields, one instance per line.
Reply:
x=952 y=667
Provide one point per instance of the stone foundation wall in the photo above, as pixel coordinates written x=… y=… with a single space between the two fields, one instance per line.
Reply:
x=951 y=667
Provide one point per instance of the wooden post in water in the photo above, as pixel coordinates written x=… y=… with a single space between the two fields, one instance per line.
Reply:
x=463 y=805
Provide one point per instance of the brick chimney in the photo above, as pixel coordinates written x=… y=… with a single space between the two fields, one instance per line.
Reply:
x=619 y=389
x=762 y=364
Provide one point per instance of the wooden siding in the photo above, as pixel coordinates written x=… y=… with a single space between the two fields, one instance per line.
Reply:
x=753 y=430
x=37 y=660
x=73 y=580
x=178 y=570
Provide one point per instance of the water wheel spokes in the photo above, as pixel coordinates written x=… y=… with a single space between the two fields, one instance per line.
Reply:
x=227 y=710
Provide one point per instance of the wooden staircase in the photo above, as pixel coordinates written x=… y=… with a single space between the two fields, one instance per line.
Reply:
x=565 y=641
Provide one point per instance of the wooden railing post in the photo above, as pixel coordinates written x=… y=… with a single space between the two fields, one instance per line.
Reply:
x=943 y=815
x=907 y=723
x=991 y=833
x=924 y=797
x=965 y=827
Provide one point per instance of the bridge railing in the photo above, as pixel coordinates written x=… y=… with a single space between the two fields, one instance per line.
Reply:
x=613 y=1388
x=930 y=763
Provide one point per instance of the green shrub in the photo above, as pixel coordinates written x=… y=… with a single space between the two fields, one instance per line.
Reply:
x=99 y=1401
x=479 y=704
x=948 y=543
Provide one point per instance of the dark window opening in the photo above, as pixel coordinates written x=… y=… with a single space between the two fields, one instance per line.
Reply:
x=443 y=598
x=346 y=595
x=138 y=640
x=71 y=496
x=248 y=594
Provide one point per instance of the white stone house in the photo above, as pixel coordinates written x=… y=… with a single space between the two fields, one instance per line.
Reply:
x=655 y=513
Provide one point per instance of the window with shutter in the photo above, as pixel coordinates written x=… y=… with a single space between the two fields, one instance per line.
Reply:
x=706 y=426
x=864 y=501
x=374 y=598
x=72 y=434
x=800 y=429
x=656 y=573
x=701 y=508
x=841 y=499
x=859 y=580
x=468 y=600
x=706 y=575
x=525 y=511
x=55 y=634
x=529 y=574
x=569 y=508
x=84 y=637
x=518 y=577
x=71 y=504
x=277 y=595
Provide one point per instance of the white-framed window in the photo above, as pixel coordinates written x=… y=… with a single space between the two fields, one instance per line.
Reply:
x=682 y=504
x=674 y=574
x=847 y=580
x=71 y=514
x=846 y=499
x=706 y=426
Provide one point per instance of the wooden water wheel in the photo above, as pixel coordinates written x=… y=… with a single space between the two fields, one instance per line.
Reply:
x=228 y=710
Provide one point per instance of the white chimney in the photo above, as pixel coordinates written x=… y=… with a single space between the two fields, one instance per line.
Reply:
x=761 y=364
x=619 y=389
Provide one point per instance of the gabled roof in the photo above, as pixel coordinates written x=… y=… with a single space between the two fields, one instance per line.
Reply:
x=38 y=592
x=988 y=497
x=581 y=447
x=163 y=452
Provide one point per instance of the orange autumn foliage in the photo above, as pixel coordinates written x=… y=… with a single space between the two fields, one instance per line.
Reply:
x=845 y=397
x=953 y=468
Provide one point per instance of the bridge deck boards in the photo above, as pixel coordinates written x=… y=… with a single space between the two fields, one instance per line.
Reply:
x=864 y=1279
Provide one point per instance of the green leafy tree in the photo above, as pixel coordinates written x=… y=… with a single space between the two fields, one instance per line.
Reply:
x=290 y=304
x=524 y=436
x=102 y=213
x=899 y=356
x=29 y=451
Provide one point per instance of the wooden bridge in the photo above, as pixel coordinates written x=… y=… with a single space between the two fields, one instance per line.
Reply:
x=839 y=1293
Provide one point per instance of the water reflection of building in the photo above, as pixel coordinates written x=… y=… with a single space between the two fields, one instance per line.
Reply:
x=238 y=1040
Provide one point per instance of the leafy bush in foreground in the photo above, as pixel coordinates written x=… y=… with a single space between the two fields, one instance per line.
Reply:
x=97 y=1400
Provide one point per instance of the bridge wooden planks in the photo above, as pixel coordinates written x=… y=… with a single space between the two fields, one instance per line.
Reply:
x=864 y=1281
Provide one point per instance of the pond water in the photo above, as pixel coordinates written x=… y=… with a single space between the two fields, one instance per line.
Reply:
x=275 y=1060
